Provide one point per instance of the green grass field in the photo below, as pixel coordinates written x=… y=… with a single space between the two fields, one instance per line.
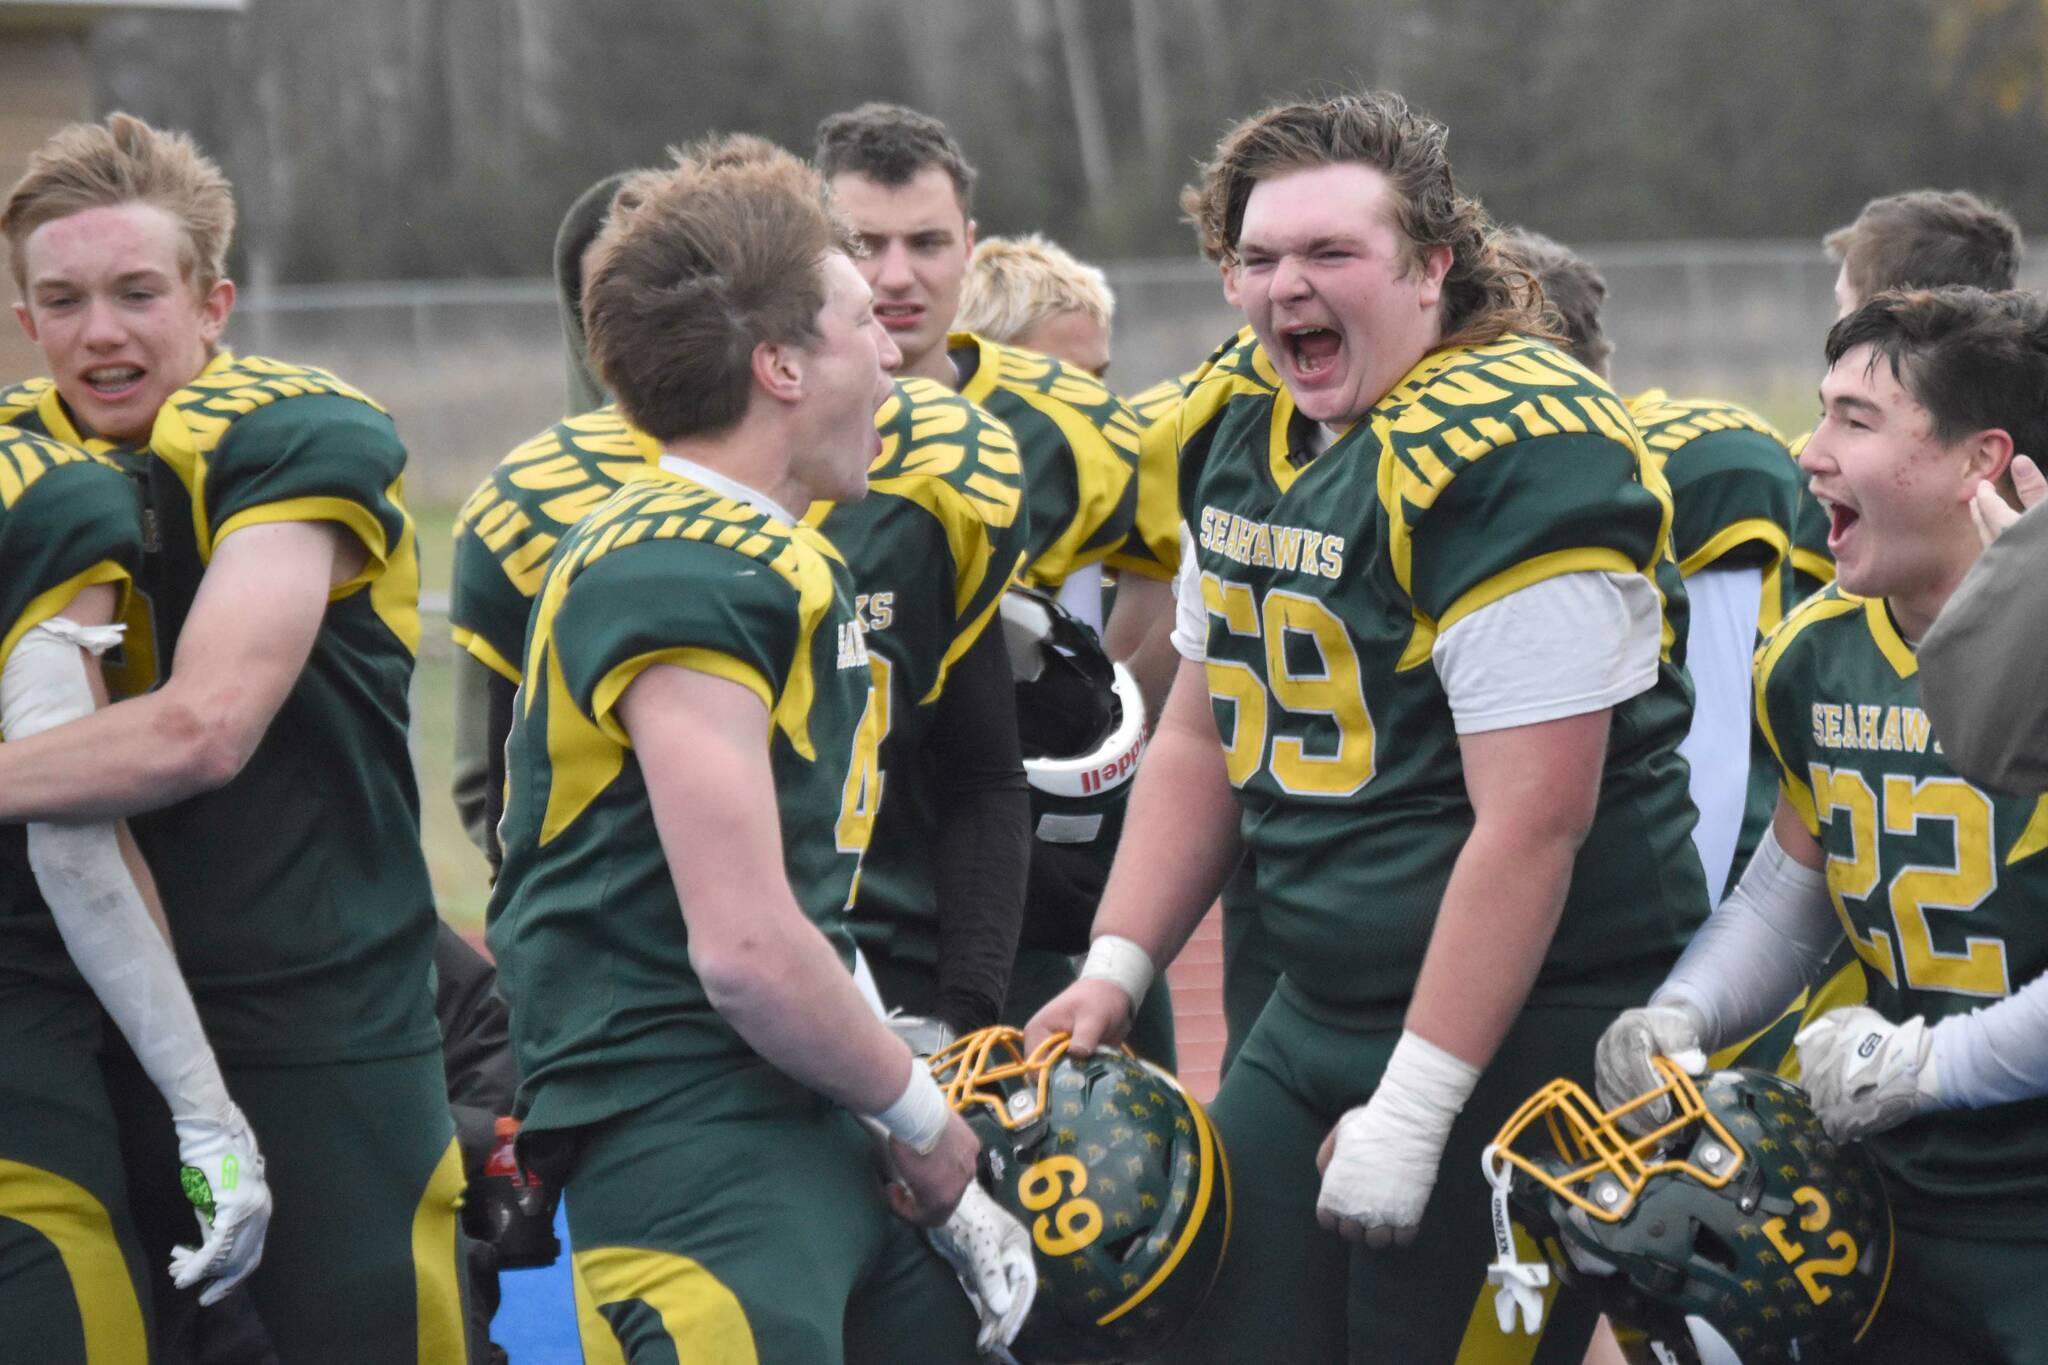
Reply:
x=461 y=876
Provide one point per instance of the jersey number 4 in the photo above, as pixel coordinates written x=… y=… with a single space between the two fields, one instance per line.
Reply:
x=1914 y=890
x=1311 y=670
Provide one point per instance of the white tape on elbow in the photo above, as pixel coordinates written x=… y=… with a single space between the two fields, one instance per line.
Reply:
x=45 y=683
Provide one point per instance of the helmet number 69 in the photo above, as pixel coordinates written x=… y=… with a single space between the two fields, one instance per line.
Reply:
x=1076 y=1222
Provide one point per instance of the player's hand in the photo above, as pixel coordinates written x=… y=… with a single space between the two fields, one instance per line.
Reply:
x=1095 y=1012
x=1378 y=1169
x=1621 y=1060
x=991 y=1253
x=223 y=1177
x=1864 y=1073
x=1379 y=1162
x=1993 y=514
x=927 y=1189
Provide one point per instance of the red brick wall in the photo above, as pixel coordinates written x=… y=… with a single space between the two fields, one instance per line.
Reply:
x=1197 y=978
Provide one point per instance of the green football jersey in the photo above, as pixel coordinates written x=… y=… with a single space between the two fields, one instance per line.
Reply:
x=511 y=524
x=1079 y=445
x=1813 y=564
x=592 y=949
x=1154 y=547
x=940 y=536
x=1328 y=580
x=68 y=520
x=297 y=894
x=1940 y=885
x=1734 y=493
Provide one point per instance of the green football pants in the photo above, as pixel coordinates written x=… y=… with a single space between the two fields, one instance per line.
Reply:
x=1289 y=1290
x=742 y=1221
x=1960 y=1299
x=364 y=1260
x=74 y=1289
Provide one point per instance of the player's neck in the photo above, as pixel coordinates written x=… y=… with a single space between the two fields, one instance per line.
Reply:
x=1915 y=611
x=753 y=455
x=935 y=364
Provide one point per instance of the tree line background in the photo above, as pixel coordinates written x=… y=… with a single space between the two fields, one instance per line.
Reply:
x=423 y=139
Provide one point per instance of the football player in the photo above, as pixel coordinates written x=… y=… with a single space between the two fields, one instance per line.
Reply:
x=1924 y=239
x=81 y=921
x=1938 y=885
x=1422 y=605
x=948 y=854
x=904 y=183
x=1734 y=495
x=693 y=782
x=261 y=753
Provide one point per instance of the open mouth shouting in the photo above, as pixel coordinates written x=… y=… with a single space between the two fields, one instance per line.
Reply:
x=1311 y=352
x=1843 y=520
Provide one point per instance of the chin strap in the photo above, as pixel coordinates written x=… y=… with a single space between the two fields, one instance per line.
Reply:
x=1521 y=1282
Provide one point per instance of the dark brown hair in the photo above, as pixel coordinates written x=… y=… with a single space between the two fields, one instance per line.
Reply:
x=1572 y=289
x=890 y=144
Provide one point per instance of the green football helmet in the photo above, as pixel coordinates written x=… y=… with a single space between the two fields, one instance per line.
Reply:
x=1736 y=1233
x=1117 y=1174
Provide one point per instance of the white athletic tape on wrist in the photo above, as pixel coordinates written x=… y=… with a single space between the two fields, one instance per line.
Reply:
x=918 y=1118
x=1116 y=959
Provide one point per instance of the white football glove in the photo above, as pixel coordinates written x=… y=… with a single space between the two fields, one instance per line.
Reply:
x=1621 y=1060
x=991 y=1253
x=223 y=1177
x=1383 y=1155
x=1864 y=1073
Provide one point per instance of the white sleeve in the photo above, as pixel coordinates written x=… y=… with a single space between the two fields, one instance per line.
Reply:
x=1720 y=639
x=1995 y=1054
x=1190 y=612
x=1081 y=595
x=1771 y=938
x=93 y=897
x=1568 y=645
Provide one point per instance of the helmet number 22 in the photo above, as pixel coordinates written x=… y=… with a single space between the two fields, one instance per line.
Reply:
x=1076 y=1222
x=1813 y=1220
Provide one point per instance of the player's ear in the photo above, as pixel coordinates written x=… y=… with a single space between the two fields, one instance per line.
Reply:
x=1435 y=264
x=214 y=310
x=1987 y=459
x=778 y=369
x=28 y=323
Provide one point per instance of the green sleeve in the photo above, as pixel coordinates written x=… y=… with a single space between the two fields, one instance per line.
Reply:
x=67 y=526
x=486 y=611
x=682 y=602
x=1734 y=496
x=1522 y=512
x=320 y=457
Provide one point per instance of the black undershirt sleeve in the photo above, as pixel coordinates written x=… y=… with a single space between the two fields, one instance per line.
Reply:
x=985 y=841
x=502 y=695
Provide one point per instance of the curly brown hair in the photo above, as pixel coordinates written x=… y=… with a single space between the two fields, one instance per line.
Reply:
x=1486 y=294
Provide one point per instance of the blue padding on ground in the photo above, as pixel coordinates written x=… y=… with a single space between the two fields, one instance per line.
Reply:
x=536 y=1322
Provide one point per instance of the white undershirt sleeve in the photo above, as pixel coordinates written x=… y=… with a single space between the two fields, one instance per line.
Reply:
x=1719 y=642
x=1566 y=646
x=1081 y=595
x=1190 y=612
x=92 y=895
x=1995 y=1054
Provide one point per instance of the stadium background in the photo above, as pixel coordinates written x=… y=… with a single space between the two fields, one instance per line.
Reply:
x=1695 y=150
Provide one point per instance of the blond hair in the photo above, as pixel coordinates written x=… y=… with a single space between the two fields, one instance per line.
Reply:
x=698 y=265
x=125 y=161
x=1015 y=283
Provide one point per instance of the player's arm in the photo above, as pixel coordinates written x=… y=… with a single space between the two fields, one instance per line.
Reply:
x=105 y=906
x=702 y=744
x=1720 y=640
x=1770 y=939
x=984 y=837
x=1140 y=635
x=248 y=635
